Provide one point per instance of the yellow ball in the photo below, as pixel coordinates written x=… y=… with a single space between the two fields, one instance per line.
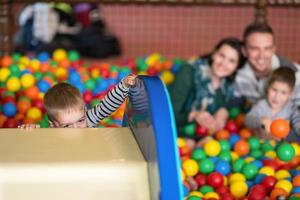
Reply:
x=35 y=64
x=13 y=84
x=142 y=73
x=27 y=80
x=268 y=171
x=237 y=177
x=234 y=156
x=211 y=195
x=282 y=174
x=183 y=176
x=284 y=184
x=181 y=142
x=167 y=77
x=238 y=189
x=196 y=194
x=61 y=72
x=24 y=61
x=153 y=59
x=4 y=73
x=296 y=148
x=34 y=113
x=95 y=73
x=59 y=54
x=249 y=159
x=271 y=154
x=212 y=148
x=190 y=167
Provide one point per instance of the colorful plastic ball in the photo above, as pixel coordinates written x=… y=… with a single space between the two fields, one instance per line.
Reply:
x=238 y=165
x=198 y=154
x=167 y=77
x=245 y=133
x=27 y=80
x=234 y=138
x=238 y=189
x=10 y=123
x=211 y=195
x=254 y=143
x=234 y=112
x=6 y=61
x=277 y=192
x=43 y=56
x=215 y=179
x=189 y=129
x=206 y=189
x=257 y=163
x=222 y=135
x=259 y=178
x=225 y=145
x=225 y=155
x=282 y=174
x=296 y=181
x=236 y=177
x=59 y=54
x=268 y=171
x=13 y=84
x=249 y=170
x=9 y=109
x=257 y=192
x=227 y=196
x=269 y=182
x=266 y=146
x=232 y=126
x=43 y=86
x=201 y=131
x=190 y=167
x=4 y=74
x=73 y=55
x=284 y=184
x=23 y=105
x=206 y=166
x=34 y=114
x=242 y=148
x=212 y=148
x=280 y=128
x=285 y=152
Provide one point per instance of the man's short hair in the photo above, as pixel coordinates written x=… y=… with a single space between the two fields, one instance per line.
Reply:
x=256 y=27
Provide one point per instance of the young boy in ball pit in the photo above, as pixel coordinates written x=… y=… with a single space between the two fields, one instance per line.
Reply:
x=277 y=104
x=66 y=108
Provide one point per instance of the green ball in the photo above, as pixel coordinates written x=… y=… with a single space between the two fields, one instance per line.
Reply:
x=53 y=63
x=114 y=68
x=265 y=147
x=225 y=145
x=234 y=112
x=238 y=165
x=44 y=124
x=257 y=154
x=254 y=143
x=205 y=189
x=190 y=129
x=141 y=65
x=16 y=57
x=225 y=155
x=90 y=84
x=95 y=102
x=285 y=152
x=38 y=75
x=73 y=55
x=206 y=166
x=198 y=154
x=194 y=198
x=15 y=70
x=250 y=170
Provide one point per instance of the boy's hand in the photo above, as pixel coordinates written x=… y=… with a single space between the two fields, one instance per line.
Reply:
x=266 y=122
x=28 y=127
x=130 y=80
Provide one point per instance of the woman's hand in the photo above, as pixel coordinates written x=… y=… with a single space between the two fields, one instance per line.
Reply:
x=204 y=118
x=221 y=117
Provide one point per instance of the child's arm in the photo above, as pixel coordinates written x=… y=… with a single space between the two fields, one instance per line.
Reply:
x=221 y=117
x=28 y=127
x=111 y=102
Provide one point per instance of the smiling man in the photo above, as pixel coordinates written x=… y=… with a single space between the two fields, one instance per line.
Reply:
x=259 y=48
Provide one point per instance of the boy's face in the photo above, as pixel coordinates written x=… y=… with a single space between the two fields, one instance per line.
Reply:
x=259 y=49
x=71 y=119
x=278 y=94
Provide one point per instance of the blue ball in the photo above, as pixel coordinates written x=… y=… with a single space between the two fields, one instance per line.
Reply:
x=9 y=109
x=234 y=138
x=249 y=184
x=259 y=177
x=43 y=57
x=296 y=190
x=223 y=167
x=258 y=163
x=74 y=76
x=43 y=86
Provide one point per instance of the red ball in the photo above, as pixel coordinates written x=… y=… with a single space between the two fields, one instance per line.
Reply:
x=269 y=182
x=8 y=99
x=222 y=190
x=215 y=179
x=232 y=126
x=201 y=131
x=10 y=123
x=87 y=96
x=227 y=196
x=200 y=179
x=271 y=163
x=39 y=104
x=257 y=192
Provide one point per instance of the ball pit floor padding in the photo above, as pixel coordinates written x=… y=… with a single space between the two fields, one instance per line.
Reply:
x=71 y=164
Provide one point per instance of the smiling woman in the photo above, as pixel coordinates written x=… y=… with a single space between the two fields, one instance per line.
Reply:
x=202 y=90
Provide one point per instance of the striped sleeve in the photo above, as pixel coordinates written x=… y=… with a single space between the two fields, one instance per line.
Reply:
x=110 y=103
x=295 y=119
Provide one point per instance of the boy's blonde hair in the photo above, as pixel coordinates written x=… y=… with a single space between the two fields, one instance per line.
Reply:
x=62 y=97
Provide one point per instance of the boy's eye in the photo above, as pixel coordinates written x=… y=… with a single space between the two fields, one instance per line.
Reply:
x=66 y=126
x=81 y=120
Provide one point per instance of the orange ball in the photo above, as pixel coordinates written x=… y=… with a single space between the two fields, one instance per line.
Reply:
x=6 y=61
x=280 y=128
x=242 y=147
x=32 y=92
x=2 y=119
x=296 y=181
x=222 y=135
x=245 y=133
x=240 y=119
x=23 y=106
x=278 y=192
